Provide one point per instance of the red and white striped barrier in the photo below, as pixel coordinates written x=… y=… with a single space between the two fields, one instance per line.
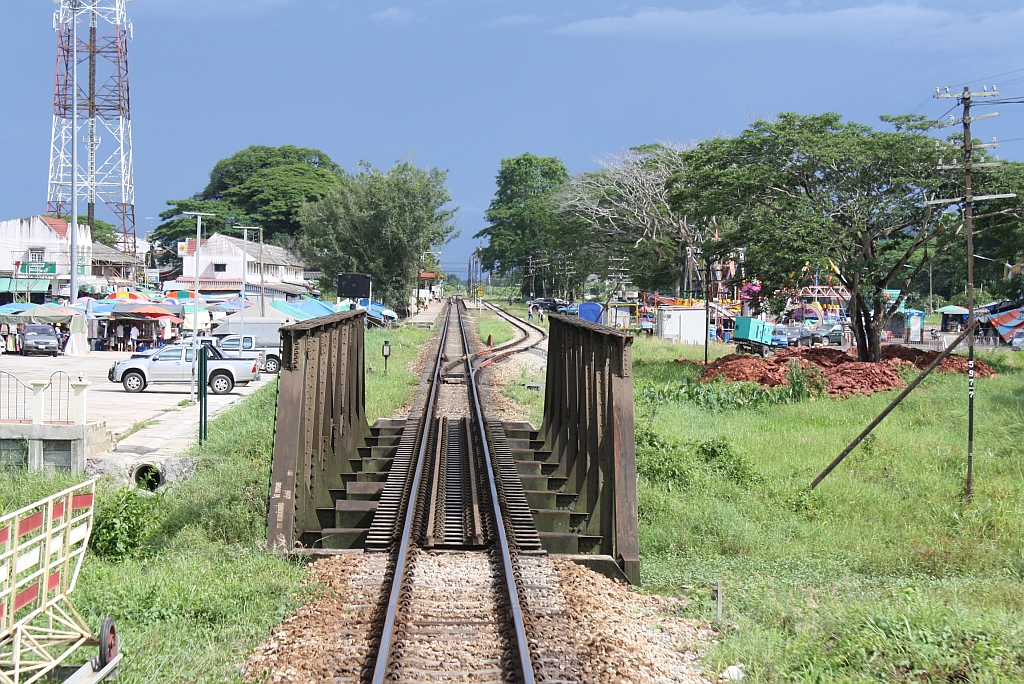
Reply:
x=42 y=547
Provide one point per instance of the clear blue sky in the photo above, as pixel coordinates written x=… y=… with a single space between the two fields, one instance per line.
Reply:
x=462 y=84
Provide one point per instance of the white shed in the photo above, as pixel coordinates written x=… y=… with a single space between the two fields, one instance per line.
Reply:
x=685 y=324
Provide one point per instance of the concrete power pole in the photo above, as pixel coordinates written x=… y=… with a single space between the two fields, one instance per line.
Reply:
x=967 y=165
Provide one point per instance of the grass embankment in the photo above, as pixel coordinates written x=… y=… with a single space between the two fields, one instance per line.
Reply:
x=883 y=573
x=489 y=324
x=184 y=572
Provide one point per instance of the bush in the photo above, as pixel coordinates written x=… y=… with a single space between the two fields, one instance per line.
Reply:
x=803 y=383
x=123 y=521
x=684 y=464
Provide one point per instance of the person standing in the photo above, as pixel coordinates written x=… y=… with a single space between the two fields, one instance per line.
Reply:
x=529 y=312
x=134 y=338
x=120 y=337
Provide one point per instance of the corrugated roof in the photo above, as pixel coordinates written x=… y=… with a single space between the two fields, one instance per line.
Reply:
x=109 y=255
x=272 y=254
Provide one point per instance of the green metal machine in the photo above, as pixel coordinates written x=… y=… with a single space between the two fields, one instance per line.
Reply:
x=753 y=336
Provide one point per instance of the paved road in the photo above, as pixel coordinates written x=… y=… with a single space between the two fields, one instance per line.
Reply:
x=107 y=401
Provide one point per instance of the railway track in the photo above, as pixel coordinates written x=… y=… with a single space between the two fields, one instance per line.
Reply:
x=462 y=601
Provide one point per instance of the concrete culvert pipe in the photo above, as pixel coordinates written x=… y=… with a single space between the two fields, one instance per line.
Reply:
x=149 y=476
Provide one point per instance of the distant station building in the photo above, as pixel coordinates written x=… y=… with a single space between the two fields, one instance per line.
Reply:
x=35 y=258
x=220 y=269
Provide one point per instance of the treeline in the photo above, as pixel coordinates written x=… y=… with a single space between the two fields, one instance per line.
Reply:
x=385 y=223
x=789 y=202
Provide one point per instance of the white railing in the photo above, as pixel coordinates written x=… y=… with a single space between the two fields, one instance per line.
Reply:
x=58 y=400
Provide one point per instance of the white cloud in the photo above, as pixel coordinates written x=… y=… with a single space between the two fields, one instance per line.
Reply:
x=399 y=15
x=881 y=23
x=516 y=20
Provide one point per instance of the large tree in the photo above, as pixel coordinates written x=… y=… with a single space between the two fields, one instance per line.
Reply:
x=522 y=216
x=626 y=205
x=384 y=224
x=816 y=194
x=258 y=186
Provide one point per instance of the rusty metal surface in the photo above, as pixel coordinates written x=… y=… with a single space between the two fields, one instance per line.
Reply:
x=321 y=420
x=589 y=426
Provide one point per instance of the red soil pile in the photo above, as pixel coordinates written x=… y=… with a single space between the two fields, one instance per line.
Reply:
x=747 y=368
x=860 y=377
x=845 y=374
x=922 y=359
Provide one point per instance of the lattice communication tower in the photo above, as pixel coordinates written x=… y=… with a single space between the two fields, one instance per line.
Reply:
x=105 y=167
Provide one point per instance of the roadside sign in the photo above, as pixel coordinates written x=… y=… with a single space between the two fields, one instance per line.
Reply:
x=479 y=290
x=38 y=267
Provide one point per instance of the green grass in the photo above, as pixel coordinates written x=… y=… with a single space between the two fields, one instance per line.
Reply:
x=532 y=400
x=489 y=324
x=386 y=392
x=882 y=573
x=196 y=591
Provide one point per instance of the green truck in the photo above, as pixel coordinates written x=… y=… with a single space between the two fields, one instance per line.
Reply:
x=753 y=336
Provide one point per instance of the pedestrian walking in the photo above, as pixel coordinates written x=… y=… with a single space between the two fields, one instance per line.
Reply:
x=135 y=338
x=529 y=312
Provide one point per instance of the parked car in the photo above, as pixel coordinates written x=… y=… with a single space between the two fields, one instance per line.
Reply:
x=1017 y=341
x=173 y=364
x=570 y=309
x=780 y=338
x=40 y=339
x=799 y=336
x=270 y=354
x=230 y=350
x=548 y=303
x=829 y=333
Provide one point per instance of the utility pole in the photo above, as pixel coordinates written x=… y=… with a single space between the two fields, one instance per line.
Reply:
x=263 y=289
x=73 y=284
x=195 y=302
x=967 y=148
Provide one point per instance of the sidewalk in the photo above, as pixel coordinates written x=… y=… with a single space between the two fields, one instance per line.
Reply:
x=164 y=436
x=427 y=318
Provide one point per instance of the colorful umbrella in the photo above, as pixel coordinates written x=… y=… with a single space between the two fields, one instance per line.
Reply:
x=126 y=295
x=152 y=311
x=181 y=294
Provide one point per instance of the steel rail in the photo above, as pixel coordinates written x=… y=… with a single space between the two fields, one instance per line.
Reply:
x=508 y=348
x=506 y=556
x=388 y=633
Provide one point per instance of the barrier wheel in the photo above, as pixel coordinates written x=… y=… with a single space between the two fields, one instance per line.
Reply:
x=109 y=642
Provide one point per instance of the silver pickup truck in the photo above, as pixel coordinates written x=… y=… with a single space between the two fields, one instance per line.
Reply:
x=174 y=364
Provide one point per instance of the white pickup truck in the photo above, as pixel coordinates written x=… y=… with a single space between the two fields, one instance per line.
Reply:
x=174 y=364
x=270 y=354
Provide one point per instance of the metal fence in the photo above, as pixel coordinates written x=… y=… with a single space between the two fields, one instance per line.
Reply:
x=51 y=402
x=589 y=424
x=321 y=422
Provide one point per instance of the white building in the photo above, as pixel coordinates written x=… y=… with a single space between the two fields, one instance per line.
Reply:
x=35 y=257
x=220 y=269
